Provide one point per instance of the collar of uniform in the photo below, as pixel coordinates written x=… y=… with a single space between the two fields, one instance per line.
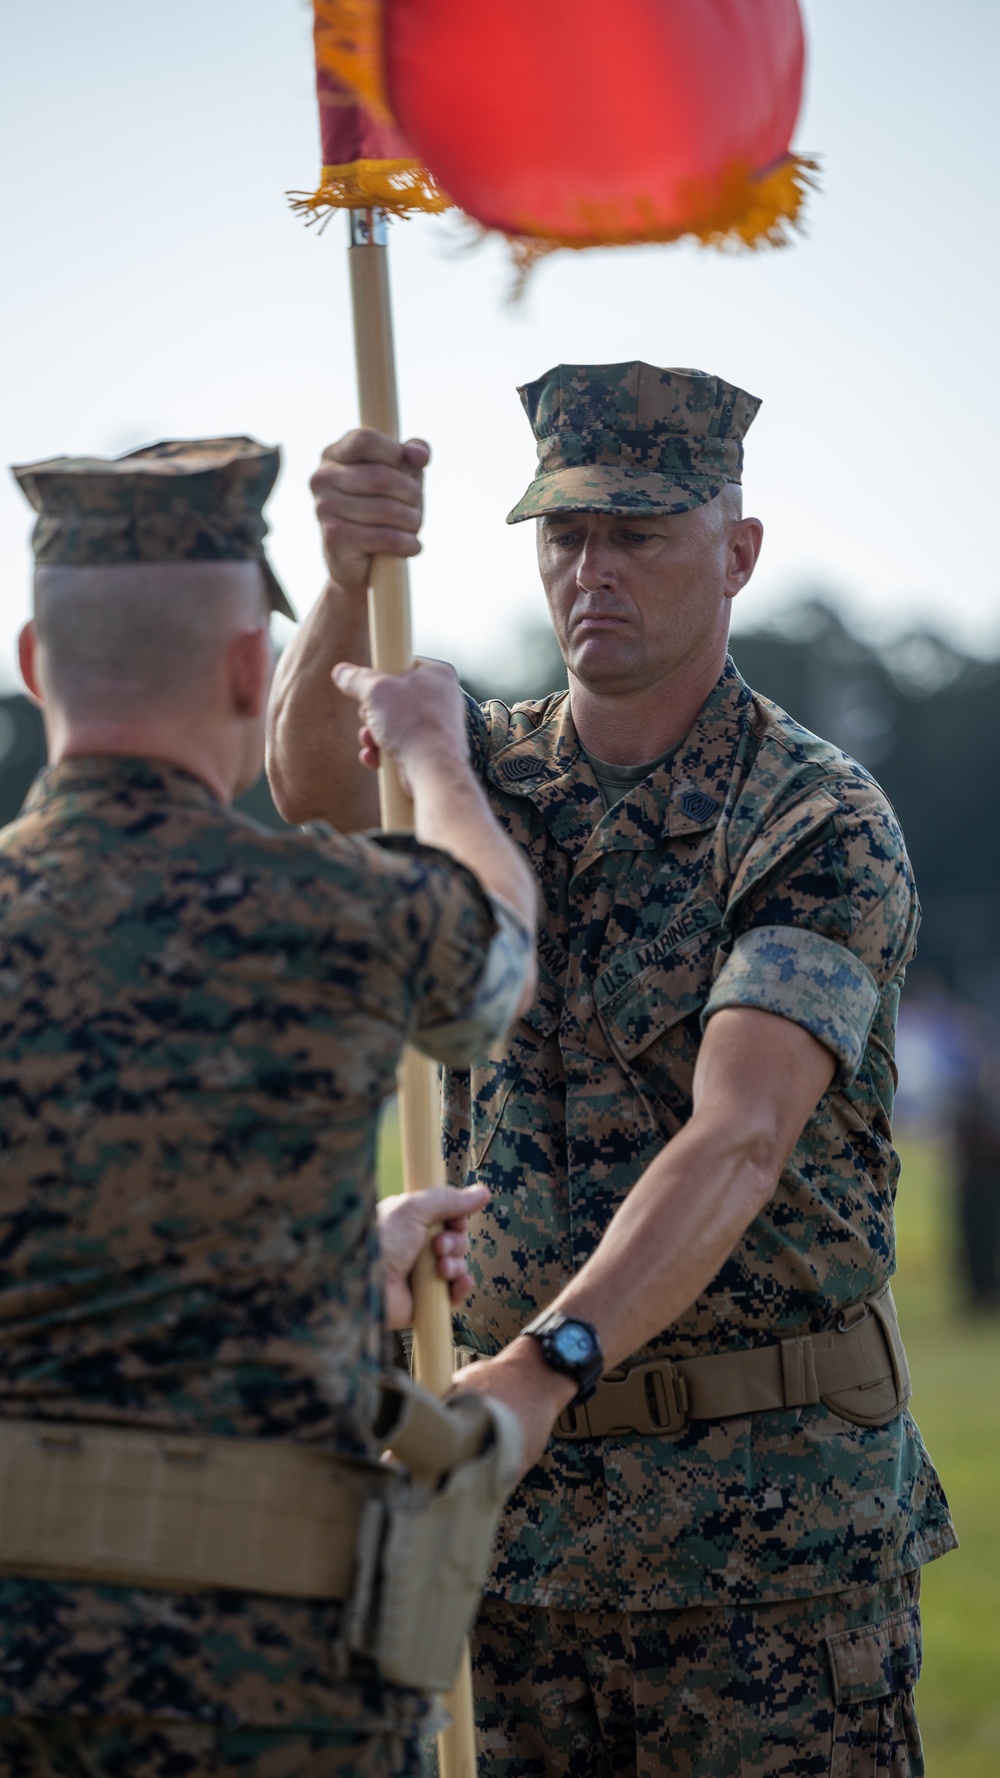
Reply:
x=547 y=766
x=689 y=794
x=703 y=765
x=119 y=778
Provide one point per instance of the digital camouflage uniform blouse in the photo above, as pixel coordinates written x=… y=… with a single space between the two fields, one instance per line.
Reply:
x=762 y=868
x=199 y=1020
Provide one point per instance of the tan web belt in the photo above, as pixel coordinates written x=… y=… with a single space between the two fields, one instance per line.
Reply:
x=858 y=1369
x=144 y=1509
x=404 y=1545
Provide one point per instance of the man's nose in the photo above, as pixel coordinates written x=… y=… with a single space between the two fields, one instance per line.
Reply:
x=595 y=568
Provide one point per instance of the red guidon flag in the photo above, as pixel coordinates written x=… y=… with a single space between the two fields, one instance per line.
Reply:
x=567 y=123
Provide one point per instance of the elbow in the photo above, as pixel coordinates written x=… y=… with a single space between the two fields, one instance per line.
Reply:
x=289 y=807
x=761 y=1174
x=288 y=799
x=761 y=1152
x=745 y=1151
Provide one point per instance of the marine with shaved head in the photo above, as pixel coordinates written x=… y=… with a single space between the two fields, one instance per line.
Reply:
x=199 y=1021
x=682 y=1277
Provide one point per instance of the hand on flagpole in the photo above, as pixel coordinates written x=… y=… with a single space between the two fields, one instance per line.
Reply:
x=417 y=718
x=404 y=1225
x=369 y=499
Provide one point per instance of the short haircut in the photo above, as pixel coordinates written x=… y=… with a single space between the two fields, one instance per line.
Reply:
x=141 y=637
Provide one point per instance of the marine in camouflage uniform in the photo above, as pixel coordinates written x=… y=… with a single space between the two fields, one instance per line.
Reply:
x=199 y=1020
x=741 y=1596
x=758 y=867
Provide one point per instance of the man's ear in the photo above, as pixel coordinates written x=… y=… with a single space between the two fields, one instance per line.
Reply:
x=249 y=663
x=745 y=539
x=27 y=660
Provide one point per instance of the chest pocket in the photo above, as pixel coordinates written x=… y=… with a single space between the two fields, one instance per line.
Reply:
x=653 y=987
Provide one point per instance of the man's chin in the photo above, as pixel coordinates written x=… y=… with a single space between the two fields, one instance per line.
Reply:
x=603 y=663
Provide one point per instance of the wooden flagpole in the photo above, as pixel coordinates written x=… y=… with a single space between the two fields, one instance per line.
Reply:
x=419 y=1093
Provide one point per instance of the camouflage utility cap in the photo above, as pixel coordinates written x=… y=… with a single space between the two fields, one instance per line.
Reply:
x=632 y=438
x=185 y=500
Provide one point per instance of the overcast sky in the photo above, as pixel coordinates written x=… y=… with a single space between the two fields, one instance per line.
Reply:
x=155 y=285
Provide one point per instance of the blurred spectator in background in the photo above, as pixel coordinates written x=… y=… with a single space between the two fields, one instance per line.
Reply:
x=977 y=1158
x=948 y=1054
x=940 y=1043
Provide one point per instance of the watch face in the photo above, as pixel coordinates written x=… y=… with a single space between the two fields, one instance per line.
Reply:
x=573 y=1343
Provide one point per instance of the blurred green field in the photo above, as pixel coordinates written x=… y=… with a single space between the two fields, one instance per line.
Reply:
x=955 y=1361
x=390 y=1160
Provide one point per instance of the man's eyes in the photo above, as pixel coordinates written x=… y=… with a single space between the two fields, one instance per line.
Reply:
x=573 y=539
x=632 y=539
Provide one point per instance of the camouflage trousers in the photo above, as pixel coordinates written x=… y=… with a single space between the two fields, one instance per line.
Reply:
x=117 y=1682
x=811 y=1688
x=136 y=1747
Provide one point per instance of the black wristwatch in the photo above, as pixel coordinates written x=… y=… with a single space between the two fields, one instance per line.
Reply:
x=571 y=1347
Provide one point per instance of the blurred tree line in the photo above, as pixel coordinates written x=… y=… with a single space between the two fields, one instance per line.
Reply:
x=920 y=714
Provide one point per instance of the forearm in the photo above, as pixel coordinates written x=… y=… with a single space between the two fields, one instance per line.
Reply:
x=671 y=1236
x=666 y=1242
x=451 y=811
x=757 y=1080
x=312 y=745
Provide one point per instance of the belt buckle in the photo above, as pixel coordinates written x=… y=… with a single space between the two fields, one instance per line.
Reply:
x=666 y=1395
x=650 y=1399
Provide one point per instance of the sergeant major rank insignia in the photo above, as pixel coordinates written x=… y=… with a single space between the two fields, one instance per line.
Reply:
x=522 y=767
x=697 y=805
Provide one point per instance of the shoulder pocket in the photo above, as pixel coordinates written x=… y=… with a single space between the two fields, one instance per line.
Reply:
x=782 y=840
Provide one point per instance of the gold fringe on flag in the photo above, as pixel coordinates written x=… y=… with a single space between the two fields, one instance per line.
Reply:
x=401 y=188
x=748 y=212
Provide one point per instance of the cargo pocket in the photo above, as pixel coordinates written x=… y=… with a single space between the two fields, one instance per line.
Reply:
x=874 y=1670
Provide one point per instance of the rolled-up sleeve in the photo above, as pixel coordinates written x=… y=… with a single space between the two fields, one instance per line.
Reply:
x=822 y=919
x=814 y=981
x=463 y=956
